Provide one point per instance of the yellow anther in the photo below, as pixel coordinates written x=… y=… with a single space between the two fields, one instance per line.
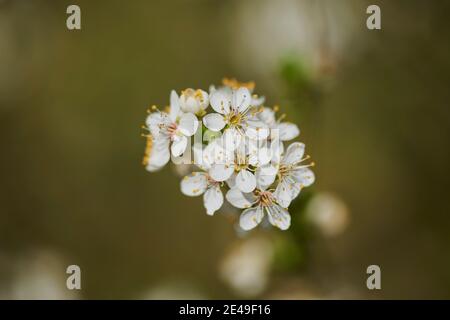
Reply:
x=234 y=84
x=198 y=94
x=148 y=150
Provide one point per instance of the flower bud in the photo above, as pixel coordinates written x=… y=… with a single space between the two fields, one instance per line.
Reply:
x=195 y=101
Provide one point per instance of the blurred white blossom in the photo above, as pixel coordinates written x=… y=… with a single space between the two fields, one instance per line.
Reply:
x=39 y=275
x=328 y=213
x=246 y=267
x=266 y=30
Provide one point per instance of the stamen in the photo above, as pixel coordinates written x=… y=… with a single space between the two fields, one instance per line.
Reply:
x=296 y=164
x=241 y=133
x=199 y=95
x=304 y=159
x=247 y=111
x=284 y=170
x=235 y=119
x=265 y=198
x=281 y=117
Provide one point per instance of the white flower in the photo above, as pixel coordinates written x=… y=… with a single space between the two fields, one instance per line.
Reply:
x=256 y=205
x=198 y=183
x=293 y=175
x=239 y=166
x=246 y=267
x=286 y=130
x=195 y=101
x=173 y=127
x=233 y=109
x=260 y=176
x=329 y=213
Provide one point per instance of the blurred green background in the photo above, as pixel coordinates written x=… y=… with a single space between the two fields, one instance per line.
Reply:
x=373 y=107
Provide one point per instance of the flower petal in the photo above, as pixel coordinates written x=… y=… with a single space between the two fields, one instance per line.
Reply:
x=214 y=121
x=294 y=153
x=304 y=176
x=246 y=181
x=179 y=146
x=267 y=115
x=231 y=181
x=269 y=169
x=194 y=184
x=279 y=217
x=198 y=151
x=215 y=153
x=277 y=150
x=241 y=99
x=260 y=157
x=295 y=191
x=159 y=154
x=203 y=99
x=288 y=131
x=220 y=100
x=284 y=193
x=257 y=101
x=208 y=156
x=265 y=176
x=221 y=172
x=188 y=124
x=256 y=130
x=251 y=217
x=240 y=200
x=174 y=106
x=213 y=199
x=189 y=104
x=232 y=139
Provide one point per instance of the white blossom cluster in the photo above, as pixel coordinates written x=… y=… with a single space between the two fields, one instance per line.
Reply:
x=242 y=151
